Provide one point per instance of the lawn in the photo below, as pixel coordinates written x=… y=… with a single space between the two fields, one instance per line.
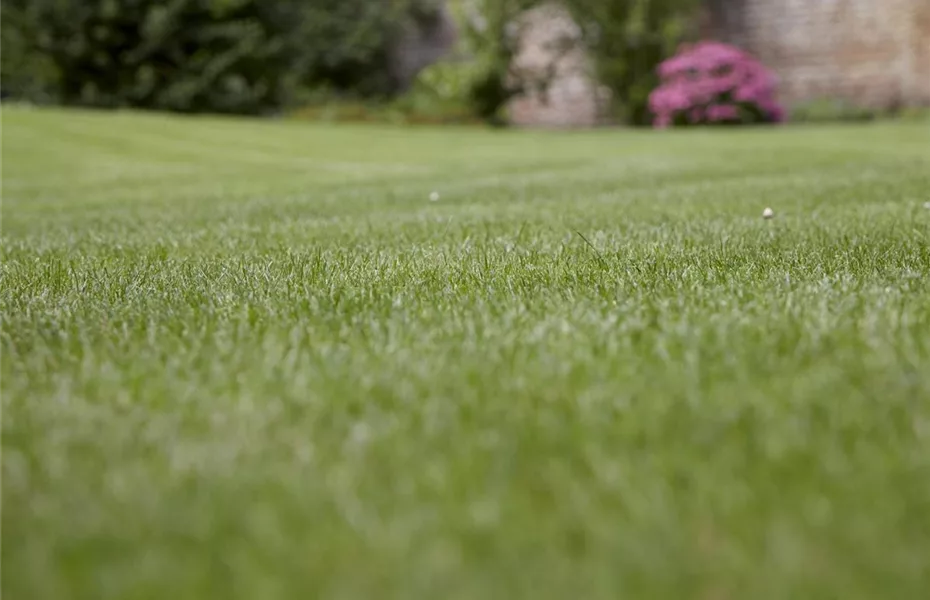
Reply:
x=250 y=360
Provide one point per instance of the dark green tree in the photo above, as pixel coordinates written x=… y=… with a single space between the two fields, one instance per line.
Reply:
x=242 y=56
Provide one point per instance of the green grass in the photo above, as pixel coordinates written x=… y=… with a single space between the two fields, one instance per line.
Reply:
x=248 y=359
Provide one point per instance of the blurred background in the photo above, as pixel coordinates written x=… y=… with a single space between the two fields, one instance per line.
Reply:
x=531 y=63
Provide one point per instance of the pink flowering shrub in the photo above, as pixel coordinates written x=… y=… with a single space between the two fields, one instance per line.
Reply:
x=714 y=83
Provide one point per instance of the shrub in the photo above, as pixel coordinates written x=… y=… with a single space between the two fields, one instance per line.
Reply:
x=714 y=83
x=440 y=93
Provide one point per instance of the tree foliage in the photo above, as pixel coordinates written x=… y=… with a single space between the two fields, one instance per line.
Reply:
x=241 y=56
x=489 y=42
x=629 y=39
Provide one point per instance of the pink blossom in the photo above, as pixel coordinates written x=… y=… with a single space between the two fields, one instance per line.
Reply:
x=722 y=112
x=709 y=82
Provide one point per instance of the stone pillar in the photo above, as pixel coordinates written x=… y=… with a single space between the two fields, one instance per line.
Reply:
x=552 y=67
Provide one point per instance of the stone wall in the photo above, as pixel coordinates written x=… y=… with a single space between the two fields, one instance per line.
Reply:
x=872 y=53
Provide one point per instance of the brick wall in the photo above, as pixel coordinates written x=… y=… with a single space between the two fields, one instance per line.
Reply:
x=871 y=52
